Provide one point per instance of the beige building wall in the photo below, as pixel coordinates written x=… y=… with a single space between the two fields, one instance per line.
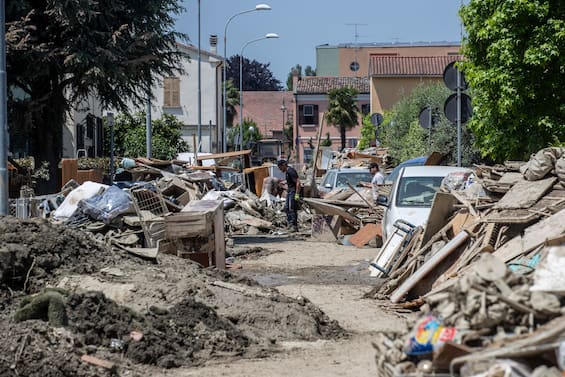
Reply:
x=362 y=54
x=387 y=91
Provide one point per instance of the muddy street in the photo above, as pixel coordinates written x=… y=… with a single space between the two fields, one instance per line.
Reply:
x=334 y=278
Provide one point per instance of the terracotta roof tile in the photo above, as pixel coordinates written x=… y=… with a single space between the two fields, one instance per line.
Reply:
x=322 y=85
x=409 y=65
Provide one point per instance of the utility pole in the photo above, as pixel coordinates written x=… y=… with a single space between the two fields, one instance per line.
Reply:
x=4 y=210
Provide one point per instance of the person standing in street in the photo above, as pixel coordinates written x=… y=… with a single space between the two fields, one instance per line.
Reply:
x=293 y=194
x=378 y=179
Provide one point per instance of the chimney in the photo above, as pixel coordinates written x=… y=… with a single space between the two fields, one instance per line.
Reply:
x=213 y=43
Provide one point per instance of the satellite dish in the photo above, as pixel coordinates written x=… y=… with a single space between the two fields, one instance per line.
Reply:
x=377 y=119
x=424 y=118
x=450 y=108
x=450 y=77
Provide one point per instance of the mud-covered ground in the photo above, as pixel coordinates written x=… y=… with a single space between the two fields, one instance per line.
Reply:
x=133 y=312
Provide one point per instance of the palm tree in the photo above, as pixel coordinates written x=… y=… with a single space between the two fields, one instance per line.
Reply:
x=342 y=111
x=232 y=100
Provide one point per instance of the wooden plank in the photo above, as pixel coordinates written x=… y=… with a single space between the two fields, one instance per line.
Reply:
x=69 y=170
x=428 y=266
x=98 y=362
x=329 y=209
x=525 y=194
x=223 y=155
x=366 y=234
x=219 y=239
x=534 y=236
x=186 y=224
x=314 y=187
x=325 y=228
x=442 y=208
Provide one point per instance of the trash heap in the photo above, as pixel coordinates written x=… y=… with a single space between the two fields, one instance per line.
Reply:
x=144 y=212
x=484 y=271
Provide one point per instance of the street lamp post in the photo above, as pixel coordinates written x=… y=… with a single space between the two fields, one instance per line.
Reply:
x=257 y=7
x=267 y=36
x=283 y=109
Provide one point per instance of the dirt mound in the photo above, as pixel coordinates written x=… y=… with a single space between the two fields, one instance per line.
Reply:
x=34 y=252
x=187 y=334
x=194 y=319
x=34 y=349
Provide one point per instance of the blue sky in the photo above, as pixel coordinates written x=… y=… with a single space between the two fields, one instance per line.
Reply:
x=303 y=25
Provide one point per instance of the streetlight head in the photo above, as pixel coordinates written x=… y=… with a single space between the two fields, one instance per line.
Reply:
x=271 y=35
x=262 y=7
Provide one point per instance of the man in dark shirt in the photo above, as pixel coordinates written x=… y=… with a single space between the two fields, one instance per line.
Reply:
x=293 y=194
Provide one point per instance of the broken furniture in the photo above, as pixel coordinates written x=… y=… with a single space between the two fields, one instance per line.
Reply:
x=151 y=209
x=197 y=232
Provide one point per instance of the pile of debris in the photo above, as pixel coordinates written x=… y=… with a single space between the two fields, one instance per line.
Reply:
x=166 y=314
x=484 y=271
x=150 y=207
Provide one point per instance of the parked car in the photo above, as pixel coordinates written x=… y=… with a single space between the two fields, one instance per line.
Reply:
x=340 y=177
x=412 y=195
x=418 y=161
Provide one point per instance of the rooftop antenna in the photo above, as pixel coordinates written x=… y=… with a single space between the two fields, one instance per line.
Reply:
x=355 y=64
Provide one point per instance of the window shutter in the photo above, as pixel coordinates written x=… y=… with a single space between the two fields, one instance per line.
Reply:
x=315 y=114
x=167 y=89
x=301 y=114
x=175 y=95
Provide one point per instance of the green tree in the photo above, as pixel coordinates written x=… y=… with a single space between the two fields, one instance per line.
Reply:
x=342 y=110
x=60 y=52
x=308 y=71
x=251 y=133
x=514 y=62
x=256 y=76
x=232 y=101
x=129 y=136
x=405 y=138
x=368 y=130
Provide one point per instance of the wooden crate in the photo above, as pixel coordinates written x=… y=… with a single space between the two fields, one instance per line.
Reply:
x=197 y=229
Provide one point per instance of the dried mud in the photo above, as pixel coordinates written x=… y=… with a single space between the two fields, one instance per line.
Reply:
x=184 y=319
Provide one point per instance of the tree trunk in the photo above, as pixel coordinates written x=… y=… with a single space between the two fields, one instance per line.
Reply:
x=46 y=137
x=342 y=134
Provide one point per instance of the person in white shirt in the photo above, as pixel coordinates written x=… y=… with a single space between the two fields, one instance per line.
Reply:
x=378 y=179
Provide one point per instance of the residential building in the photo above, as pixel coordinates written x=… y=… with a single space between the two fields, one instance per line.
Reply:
x=176 y=95
x=312 y=101
x=393 y=77
x=270 y=110
x=352 y=59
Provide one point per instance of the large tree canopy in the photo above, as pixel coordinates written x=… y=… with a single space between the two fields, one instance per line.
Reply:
x=515 y=64
x=60 y=52
x=256 y=76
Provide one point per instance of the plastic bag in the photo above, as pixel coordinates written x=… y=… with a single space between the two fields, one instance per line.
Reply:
x=542 y=163
x=106 y=206
x=456 y=181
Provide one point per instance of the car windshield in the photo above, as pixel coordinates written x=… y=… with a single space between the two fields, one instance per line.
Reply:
x=417 y=191
x=352 y=178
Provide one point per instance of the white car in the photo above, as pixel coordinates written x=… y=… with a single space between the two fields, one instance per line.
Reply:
x=412 y=195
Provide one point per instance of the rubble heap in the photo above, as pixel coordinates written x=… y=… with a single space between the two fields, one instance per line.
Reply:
x=479 y=270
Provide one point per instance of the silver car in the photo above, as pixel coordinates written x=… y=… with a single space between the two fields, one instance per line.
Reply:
x=340 y=177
